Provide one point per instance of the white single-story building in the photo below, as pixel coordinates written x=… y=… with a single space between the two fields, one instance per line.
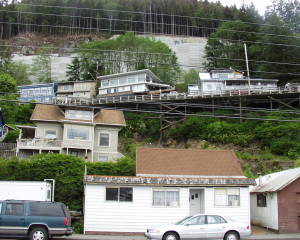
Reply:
x=169 y=184
x=275 y=201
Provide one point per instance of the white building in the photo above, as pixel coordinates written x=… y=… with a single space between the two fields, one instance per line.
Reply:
x=218 y=81
x=135 y=82
x=169 y=184
x=275 y=201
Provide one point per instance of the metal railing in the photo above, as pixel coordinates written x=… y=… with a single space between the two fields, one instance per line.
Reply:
x=73 y=101
x=35 y=142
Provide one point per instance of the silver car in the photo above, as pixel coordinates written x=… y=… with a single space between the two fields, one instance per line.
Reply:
x=201 y=226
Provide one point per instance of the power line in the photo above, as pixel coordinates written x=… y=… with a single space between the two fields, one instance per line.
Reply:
x=160 y=14
x=147 y=22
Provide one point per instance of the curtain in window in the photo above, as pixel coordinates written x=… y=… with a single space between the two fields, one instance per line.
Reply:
x=159 y=198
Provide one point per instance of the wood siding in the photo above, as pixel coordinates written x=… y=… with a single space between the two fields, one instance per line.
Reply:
x=265 y=216
x=135 y=217
x=289 y=208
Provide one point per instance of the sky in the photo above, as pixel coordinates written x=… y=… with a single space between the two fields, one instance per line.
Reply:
x=260 y=5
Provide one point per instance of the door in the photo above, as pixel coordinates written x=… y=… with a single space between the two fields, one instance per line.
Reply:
x=216 y=227
x=195 y=228
x=13 y=219
x=196 y=201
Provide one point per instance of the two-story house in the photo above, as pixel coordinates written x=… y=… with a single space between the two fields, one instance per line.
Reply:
x=135 y=82
x=81 y=89
x=83 y=132
x=220 y=80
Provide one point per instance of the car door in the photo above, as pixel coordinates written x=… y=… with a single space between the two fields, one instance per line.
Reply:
x=216 y=227
x=13 y=219
x=194 y=228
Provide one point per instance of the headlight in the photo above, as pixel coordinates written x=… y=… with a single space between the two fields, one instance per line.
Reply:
x=153 y=231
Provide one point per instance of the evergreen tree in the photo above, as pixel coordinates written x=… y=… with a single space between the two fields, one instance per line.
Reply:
x=73 y=72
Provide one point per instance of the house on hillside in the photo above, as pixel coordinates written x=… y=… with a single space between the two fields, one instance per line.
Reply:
x=82 y=132
x=169 y=184
x=129 y=83
x=229 y=79
x=78 y=89
x=42 y=93
x=275 y=201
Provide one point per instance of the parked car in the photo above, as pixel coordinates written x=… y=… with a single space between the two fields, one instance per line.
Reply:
x=201 y=226
x=36 y=220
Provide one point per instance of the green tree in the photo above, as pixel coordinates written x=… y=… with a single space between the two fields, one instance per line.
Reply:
x=276 y=52
x=189 y=77
x=5 y=56
x=128 y=53
x=73 y=72
x=19 y=71
x=7 y=84
x=225 y=47
x=41 y=67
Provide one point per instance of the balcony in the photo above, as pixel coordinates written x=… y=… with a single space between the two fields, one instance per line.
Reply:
x=36 y=143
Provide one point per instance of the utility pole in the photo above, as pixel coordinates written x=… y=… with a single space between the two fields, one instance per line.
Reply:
x=248 y=74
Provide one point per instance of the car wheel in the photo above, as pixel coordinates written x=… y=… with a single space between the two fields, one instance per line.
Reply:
x=38 y=233
x=231 y=236
x=171 y=236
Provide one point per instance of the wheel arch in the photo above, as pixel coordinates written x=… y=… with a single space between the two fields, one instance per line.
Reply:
x=234 y=231
x=34 y=225
x=171 y=231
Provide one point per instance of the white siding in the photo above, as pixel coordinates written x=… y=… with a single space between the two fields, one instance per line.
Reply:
x=265 y=216
x=134 y=216
x=137 y=216
x=238 y=213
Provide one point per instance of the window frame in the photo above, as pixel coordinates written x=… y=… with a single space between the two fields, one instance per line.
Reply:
x=108 y=145
x=167 y=202
x=261 y=200
x=102 y=156
x=77 y=138
x=224 y=201
x=118 y=194
x=46 y=137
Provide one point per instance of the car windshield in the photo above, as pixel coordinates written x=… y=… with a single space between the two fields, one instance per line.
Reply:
x=183 y=221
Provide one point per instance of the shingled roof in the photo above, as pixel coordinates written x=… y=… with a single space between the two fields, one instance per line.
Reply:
x=187 y=162
x=44 y=112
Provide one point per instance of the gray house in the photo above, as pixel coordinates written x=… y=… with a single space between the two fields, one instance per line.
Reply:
x=83 y=132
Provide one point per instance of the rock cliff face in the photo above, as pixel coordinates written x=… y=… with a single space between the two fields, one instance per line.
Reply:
x=189 y=50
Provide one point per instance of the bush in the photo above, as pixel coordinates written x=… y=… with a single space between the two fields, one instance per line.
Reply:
x=11 y=136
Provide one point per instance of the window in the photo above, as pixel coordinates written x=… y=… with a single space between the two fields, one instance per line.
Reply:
x=199 y=220
x=113 y=82
x=50 y=134
x=122 y=81
x=212 y=219
x=0 y=208
x=37 y=92
x=46 y=209
x=79 y=114
x=227 y=197
x=66 y=87
x=209 y=87
x=141 y=78
x=120 y=194
x=261 y=200
x=104 y=139
x=14 y=209
x=103 y=158
x=104 y=83
x=165 y=197
x=131 y=79
x=74 y=153
x=77 y=134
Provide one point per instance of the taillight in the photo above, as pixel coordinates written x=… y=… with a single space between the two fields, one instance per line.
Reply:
x=66 y=222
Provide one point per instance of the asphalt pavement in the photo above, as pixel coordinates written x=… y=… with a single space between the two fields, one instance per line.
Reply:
x=258 y=233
